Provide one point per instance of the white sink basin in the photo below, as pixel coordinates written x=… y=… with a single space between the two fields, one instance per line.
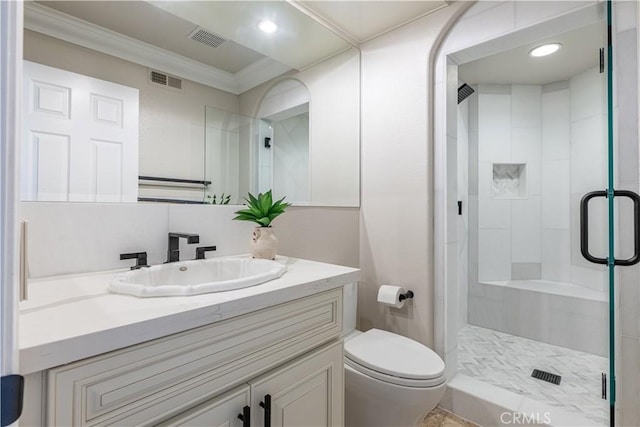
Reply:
x=196 y=277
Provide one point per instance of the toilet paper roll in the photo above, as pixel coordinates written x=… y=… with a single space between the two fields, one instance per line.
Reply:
x=390 y=295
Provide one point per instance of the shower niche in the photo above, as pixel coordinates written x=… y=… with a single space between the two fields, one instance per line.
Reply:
x=509 y=181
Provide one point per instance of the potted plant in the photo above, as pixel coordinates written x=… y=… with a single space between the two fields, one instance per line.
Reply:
x=262 y=210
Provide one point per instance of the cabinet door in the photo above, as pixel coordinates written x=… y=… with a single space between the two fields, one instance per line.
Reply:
x=221 y=411
x=305 y=392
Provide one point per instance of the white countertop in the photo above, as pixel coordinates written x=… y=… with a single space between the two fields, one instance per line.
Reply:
x=69 y=318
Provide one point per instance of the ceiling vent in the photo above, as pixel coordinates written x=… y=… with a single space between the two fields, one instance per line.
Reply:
x=206 y=37
x=163 y=79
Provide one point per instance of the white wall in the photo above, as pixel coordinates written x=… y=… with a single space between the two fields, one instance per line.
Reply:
x=396 y=229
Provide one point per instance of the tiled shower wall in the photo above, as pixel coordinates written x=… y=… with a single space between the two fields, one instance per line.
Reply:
x=290 y=147
x=540 y=148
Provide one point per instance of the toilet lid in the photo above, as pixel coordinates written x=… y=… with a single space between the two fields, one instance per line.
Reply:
x=394 y=355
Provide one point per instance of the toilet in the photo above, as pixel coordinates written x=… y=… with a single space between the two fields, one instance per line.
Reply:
x=390 y=380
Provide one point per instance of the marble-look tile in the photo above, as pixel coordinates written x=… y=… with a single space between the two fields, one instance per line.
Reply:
x=556 y=125
x=556 y=255
x=494 y=127
x=525 y=106
x=526 y=235
x=587 y=94
x=441 y=418
x=506 y=361
x=556 y=191
x=489 y=313
x=494 y=254
x=625 y=18
x=629 y=382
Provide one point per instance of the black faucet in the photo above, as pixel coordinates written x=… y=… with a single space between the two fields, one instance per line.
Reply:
x=140 y=257
x=173 y=253
x=202 y=250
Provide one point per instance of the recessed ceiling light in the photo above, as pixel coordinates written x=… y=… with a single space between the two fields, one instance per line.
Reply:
x=267 y=26
x=545 y=49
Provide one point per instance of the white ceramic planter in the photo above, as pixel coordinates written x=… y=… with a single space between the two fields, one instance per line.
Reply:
x=264 y=244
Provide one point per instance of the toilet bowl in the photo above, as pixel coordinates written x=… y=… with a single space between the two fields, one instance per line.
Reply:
x=390 y=380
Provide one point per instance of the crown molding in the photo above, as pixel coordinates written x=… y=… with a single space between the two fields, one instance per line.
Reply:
x=340 y=32
x=73 y=30
x=259 y=72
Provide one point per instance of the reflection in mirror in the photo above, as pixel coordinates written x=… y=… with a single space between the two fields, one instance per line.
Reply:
x=173 y=82
x=283 y=143
x=227 y=140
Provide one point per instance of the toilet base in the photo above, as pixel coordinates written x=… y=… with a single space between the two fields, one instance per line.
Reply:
x=373 y=403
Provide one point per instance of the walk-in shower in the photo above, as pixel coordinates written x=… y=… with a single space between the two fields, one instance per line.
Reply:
x=535 y=143
x=528 y=320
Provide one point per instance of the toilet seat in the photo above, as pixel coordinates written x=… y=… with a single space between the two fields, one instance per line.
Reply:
x=394 y=359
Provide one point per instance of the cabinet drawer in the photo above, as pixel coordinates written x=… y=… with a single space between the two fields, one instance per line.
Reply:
x=148 y=382
x=219 y=411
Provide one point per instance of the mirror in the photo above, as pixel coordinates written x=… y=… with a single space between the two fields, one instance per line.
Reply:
x=271 y=152
x=283 y=157
x=204 y=91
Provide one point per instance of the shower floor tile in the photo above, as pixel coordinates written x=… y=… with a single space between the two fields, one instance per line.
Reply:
x=506 y=361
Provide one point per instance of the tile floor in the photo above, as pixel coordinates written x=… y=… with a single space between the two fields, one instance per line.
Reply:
x=441 y=418
x=506 y=361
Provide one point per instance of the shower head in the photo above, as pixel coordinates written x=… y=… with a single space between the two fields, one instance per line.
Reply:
x=464 y=92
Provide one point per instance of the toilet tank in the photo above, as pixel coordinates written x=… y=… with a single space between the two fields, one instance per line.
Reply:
x=349 y=308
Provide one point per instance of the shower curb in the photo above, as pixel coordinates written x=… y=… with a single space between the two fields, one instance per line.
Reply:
x=488 y=405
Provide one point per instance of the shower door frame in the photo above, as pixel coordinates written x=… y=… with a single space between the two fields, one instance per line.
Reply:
x=444 y=102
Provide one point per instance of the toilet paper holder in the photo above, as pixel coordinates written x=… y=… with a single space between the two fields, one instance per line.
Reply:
x=406 y=295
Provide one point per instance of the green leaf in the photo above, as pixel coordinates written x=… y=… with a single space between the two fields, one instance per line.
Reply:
x=265 y=221
x=256 y=211
x=244 y=211
x=252 y=200
x=261 y=209
x=273 y=215
x=265 y=203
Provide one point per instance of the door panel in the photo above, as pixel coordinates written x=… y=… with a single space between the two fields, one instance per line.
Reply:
x=80 y=137
x=307 y=392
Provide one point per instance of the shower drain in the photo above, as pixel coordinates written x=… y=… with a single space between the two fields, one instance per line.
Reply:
x=546 y=376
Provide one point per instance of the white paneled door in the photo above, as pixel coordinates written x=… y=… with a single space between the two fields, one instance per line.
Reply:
x=80 y=140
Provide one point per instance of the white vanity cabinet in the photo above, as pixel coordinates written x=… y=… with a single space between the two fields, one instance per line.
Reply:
x=205 y=376
x=305 y=392
x=220 y=411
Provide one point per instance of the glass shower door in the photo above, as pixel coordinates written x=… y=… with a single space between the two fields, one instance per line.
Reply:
x=610 y=194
